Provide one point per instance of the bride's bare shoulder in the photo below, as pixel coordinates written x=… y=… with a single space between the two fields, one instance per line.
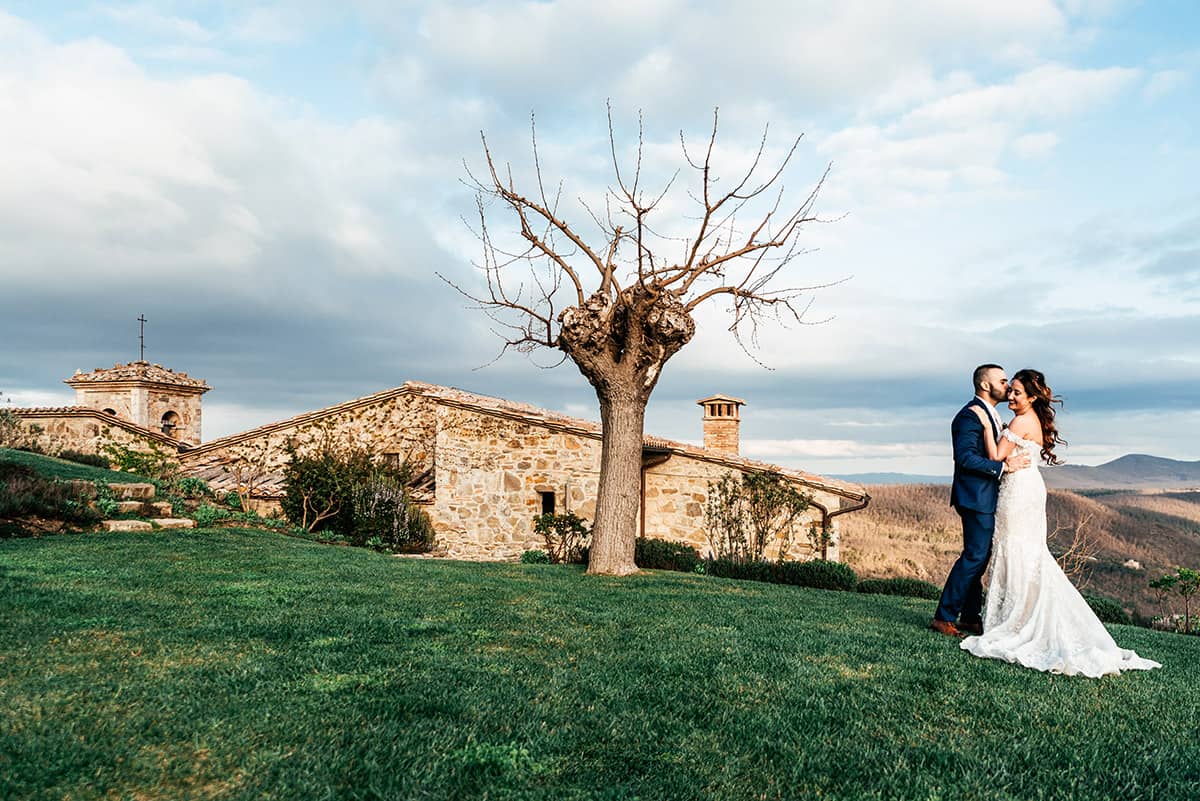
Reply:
x=1028 y=427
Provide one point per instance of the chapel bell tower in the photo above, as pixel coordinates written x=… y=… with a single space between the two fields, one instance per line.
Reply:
x=148 y=395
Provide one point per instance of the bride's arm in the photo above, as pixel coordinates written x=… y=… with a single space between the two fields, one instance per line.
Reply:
x=996 y=452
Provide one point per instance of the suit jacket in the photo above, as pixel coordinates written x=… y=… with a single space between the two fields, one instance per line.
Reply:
x=976 y=477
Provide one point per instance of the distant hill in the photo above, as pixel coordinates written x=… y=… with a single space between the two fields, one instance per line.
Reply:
x=1135 y=471
x=891 y=478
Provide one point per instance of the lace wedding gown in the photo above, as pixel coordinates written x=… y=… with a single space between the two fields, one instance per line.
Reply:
x=1034 y=616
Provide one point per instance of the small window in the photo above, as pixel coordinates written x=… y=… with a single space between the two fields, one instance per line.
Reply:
x=547 y=503
x=113 y=412
x=170 y=422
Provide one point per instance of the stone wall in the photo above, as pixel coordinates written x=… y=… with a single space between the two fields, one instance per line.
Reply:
x=398 y=425
x=491 y=473
x=676 y=495
x=83 y=431
x=146 y=405
x=187 y=407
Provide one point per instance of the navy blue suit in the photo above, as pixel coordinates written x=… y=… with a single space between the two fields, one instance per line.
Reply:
x=973 y=496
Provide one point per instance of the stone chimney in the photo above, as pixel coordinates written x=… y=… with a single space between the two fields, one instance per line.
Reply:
x=721 y=423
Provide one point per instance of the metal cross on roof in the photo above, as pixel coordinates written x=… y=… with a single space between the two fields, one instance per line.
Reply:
x=142 y=338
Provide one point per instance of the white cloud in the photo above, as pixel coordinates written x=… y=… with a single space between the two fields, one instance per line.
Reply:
x=1050 y=91
x=952 y=127
x=1035 y=145
x=119 y=171
x=1164 y=82
x=270 y=25
x=146 y=16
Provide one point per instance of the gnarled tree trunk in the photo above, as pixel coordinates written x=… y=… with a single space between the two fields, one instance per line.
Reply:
x=614 y=530
x=621 y=347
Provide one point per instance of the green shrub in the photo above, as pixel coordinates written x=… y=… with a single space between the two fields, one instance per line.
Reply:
x=192 y=487
x=90 y=459
x=155 y=464
x=909 y=587
x=1108 y=610
x=206 y=515
x=106 y=500
x=743 y=516
x=24 y=493
x=319 y=494
x=565 y=536
x=817 y=573
x=344 y=492
x=736 y=569
x=656 y=554
x=232 y=500
x=10 y=429
x=535 y=557
x=386 y=518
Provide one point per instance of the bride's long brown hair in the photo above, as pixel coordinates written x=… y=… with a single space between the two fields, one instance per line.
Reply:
x=1034 y=384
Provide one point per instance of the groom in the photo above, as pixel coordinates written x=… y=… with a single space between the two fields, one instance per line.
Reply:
x=973 y=496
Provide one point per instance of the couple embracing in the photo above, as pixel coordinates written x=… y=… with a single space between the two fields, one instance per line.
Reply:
x=1034 y=615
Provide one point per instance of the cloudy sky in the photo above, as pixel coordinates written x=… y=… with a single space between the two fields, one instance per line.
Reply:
x=275 y=185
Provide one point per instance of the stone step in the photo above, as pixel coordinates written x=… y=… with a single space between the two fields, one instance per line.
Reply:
x=128 y=492
x=159 y=508
x=174 y=522
x=126 y=525
x=129 y=507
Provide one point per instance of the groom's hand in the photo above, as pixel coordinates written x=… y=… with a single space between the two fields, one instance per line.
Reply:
x=1016 y=461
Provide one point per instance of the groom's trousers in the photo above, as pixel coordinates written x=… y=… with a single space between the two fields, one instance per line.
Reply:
x=962 y=596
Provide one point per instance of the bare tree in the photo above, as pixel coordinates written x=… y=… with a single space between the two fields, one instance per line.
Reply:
x=623 y=304
x=1078 y=552
x=249 y=470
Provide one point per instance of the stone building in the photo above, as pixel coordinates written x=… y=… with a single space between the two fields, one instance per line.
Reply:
x=487 y=466
x=147 y=395
x=53 y=429
x=137 y=405
x=484 y=466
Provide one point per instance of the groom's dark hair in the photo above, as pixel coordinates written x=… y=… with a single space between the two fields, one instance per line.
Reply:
x=981 y=373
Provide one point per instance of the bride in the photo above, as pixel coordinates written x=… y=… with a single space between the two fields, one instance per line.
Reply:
x=1034 y=615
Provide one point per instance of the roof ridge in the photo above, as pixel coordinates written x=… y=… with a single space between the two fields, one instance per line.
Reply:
x=304 y=417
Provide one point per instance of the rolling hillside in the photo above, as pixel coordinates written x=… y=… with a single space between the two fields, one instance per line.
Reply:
x=910 y=530
x=1133 y=471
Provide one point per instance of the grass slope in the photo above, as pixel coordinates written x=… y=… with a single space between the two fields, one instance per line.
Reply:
x=237 y=664
x=61 y=468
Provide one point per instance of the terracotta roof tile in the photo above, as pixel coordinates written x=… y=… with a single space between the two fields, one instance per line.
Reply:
x=137 y=371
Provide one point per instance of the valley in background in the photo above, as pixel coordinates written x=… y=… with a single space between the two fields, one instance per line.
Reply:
x=1137 y=535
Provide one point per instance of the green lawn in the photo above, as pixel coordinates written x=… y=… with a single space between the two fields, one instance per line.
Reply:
x=51 y=467
x=239 y=664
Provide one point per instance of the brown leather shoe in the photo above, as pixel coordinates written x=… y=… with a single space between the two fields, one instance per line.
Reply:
x=945 y=627
x=971 y=628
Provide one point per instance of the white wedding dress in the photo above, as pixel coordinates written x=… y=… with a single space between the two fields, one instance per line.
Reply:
x=1034 y=616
